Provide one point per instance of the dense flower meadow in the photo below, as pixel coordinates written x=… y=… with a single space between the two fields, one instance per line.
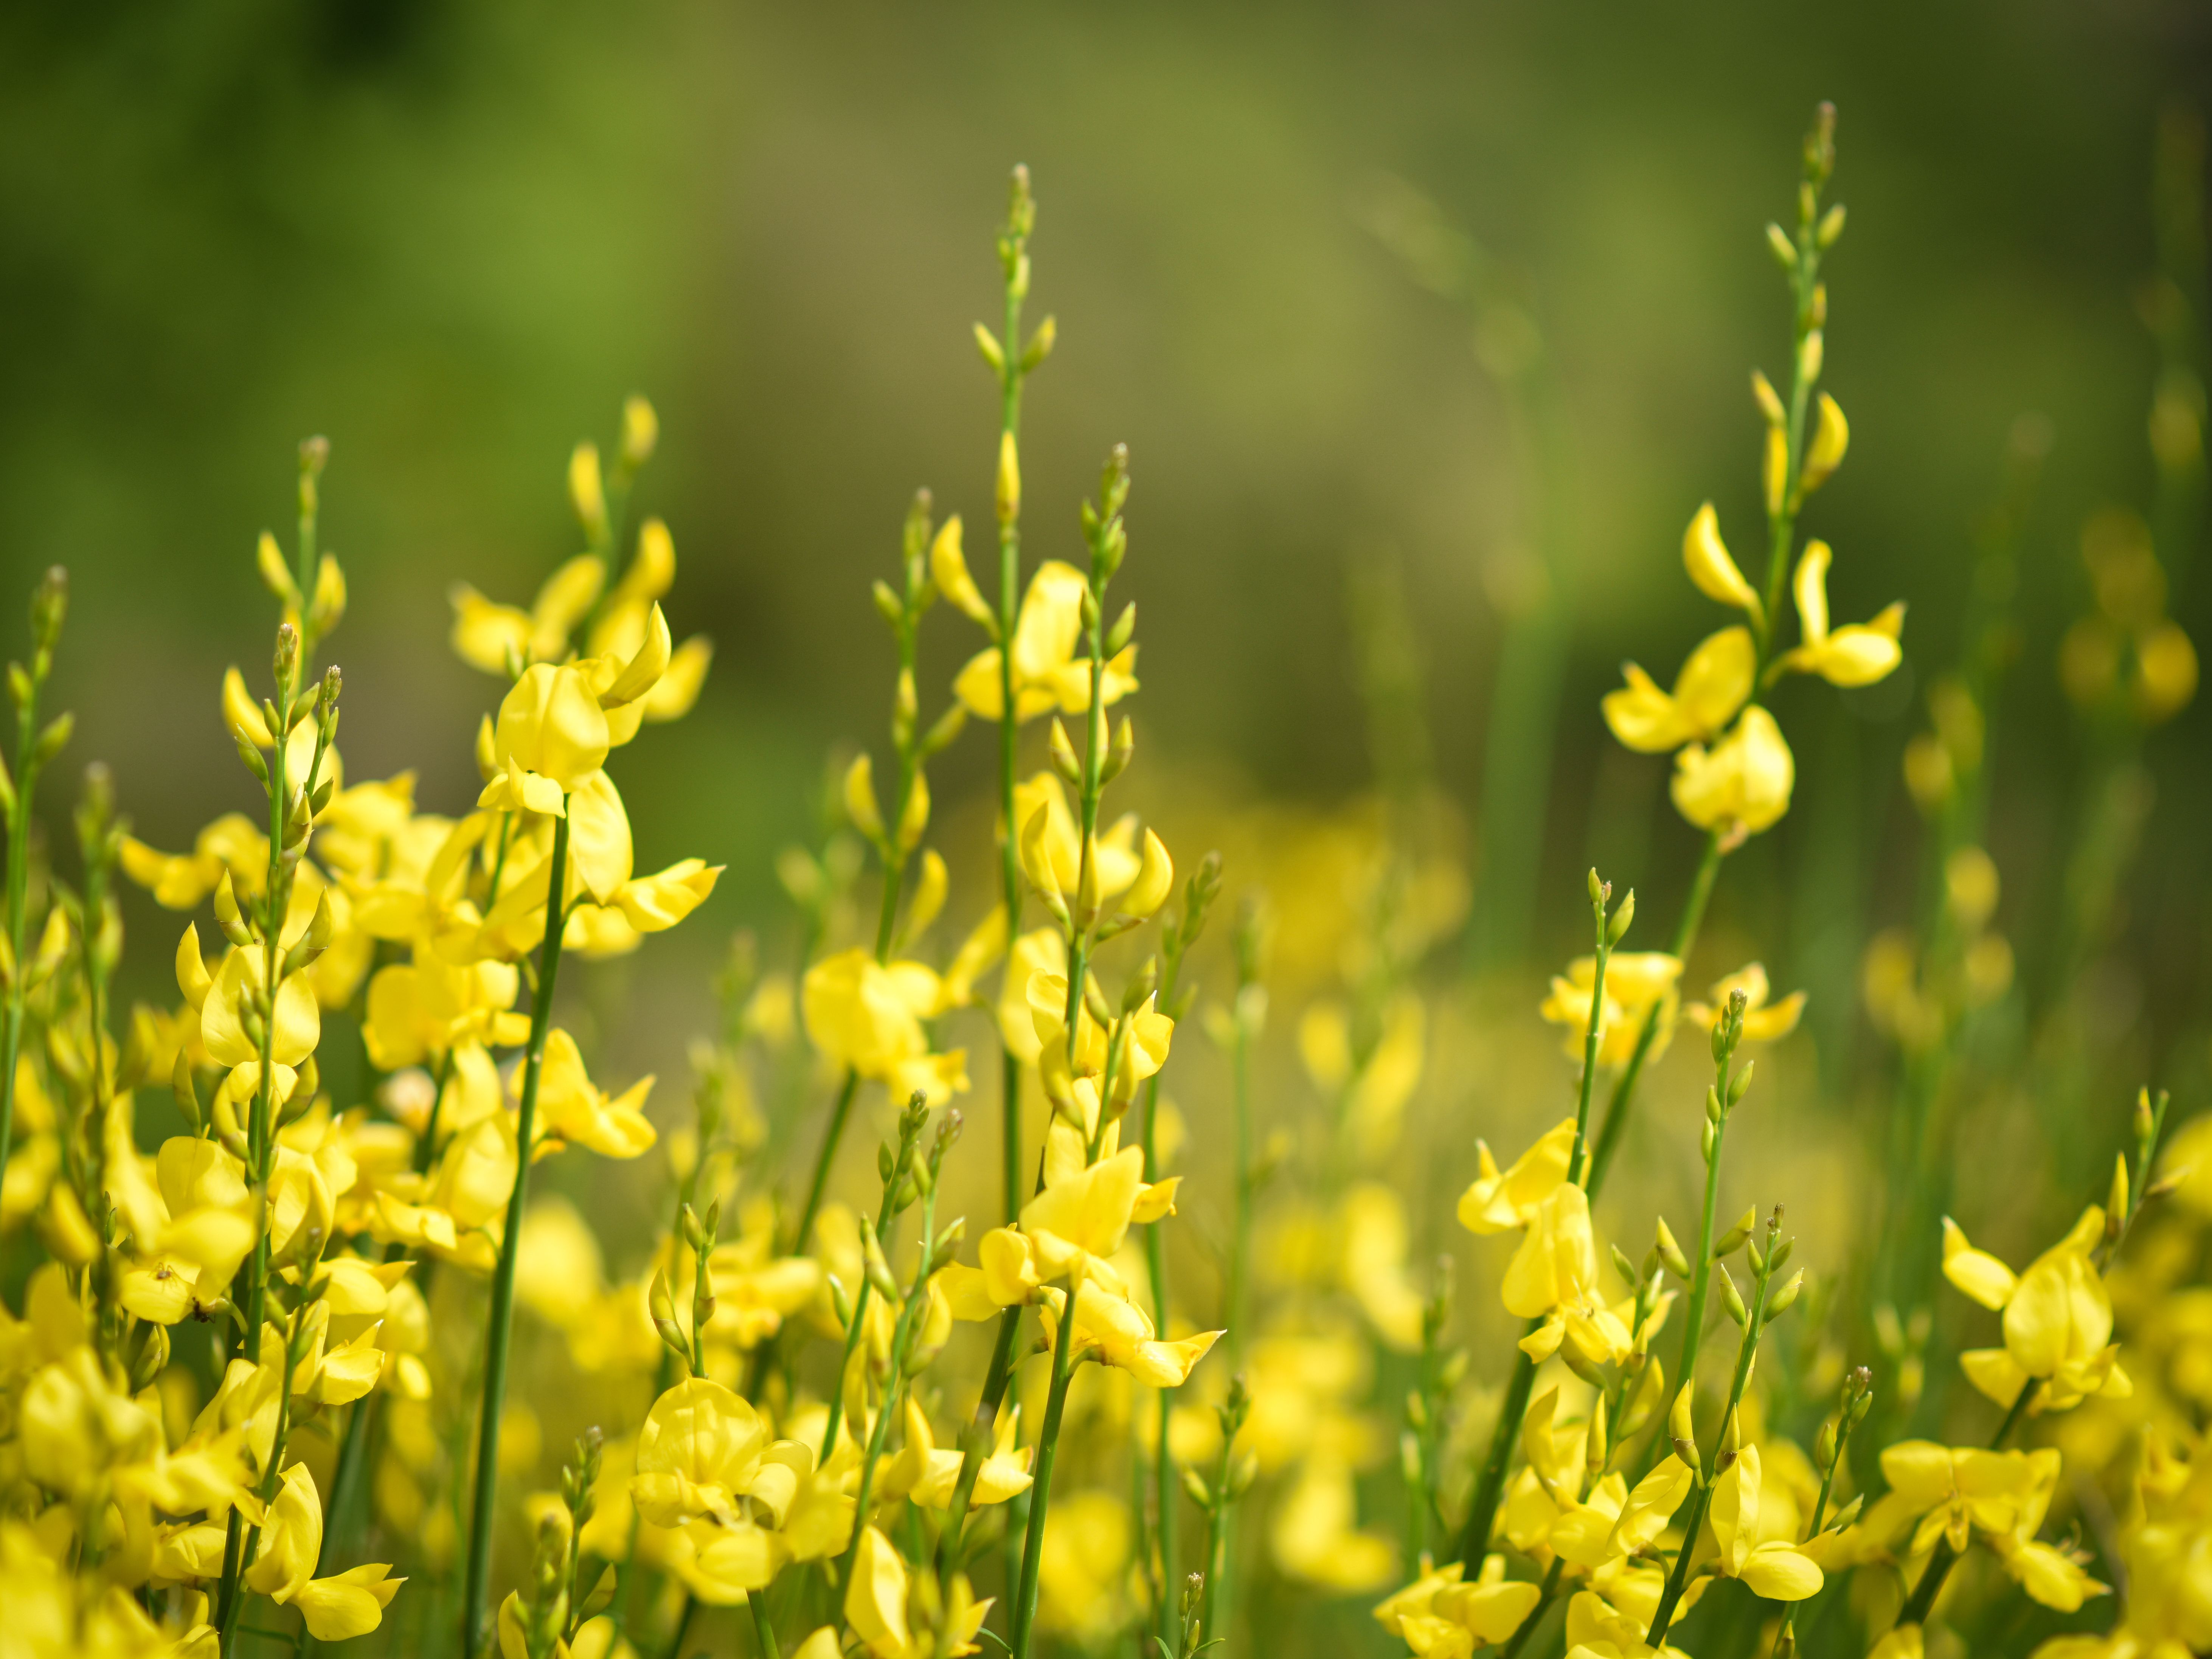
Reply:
x=1020 y=1283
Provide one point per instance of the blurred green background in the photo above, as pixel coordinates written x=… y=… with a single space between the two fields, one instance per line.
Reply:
x=452 y=238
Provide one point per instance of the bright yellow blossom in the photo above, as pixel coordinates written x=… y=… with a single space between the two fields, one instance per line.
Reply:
x=1713 y=684
x=1850 y=656
x=1762 y=1022
x=1047 y=674
x=1742 y=784
x=1637 y=983
x=2057 y=1319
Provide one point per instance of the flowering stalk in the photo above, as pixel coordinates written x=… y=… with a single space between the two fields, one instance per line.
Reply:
x=1232 y=1479
x=1720 y=1100
x=1754 y=1318
x=935 y=1252
x=2128 y=1199
x=1608 y=930
x=500 y=1325
x=1792 y=470
x=33 y=749
x=895 y=837
x=1108 y=541
x=897 y=1173
x=1835 y=1435
x=1176 y=939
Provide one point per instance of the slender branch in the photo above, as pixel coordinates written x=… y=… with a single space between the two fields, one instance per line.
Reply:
x=500 y=1328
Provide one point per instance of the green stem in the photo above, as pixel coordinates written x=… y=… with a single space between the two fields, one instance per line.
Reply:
x=828 y=1156
x=1156 y=1264
x=1679 y=1578
x=683 y=1623
x=763 y=1631
x=1490 y=1483
x=1624 y=1089
x=1701 y=1279
x=902 y=1340
x=501 y=1328
x=1544 y=1598
x=1025 y=1596
x=1592 y=1038
x=980 y=1430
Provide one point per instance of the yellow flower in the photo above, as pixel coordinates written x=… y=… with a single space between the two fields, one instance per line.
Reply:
x=1706 y=558
x=1637 y=983
x=1742 y=783
x=701 y=1448
x=551 y=736
x=1761 y=1024
x=626 y=616
x=1770 y=1567
x=337 y=1609
x=1439 y=1617
x=1850 y=656
x=1712 y=685
x=2057 y=1319
x=179 y=881
x=1495 y=1202
x=1956 y=1492
x=867 y=1016
x=1554 y=1275
x=1047 y=674
x=1114 y=1331
x=573 y=1108
x=927 y=1473
x=876 y=1607
x=498 y=638
x=755 y=1289
x=418 y=1011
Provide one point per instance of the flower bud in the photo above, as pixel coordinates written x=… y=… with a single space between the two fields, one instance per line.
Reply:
x=1041 y=343
x=1832 y=228
x=1784 y=250
x=1064 y=760
x=1009 y=492
x=1617 y=928
x=1732 y=1241
x=587 y=494
x=1770 y=404
x=1680 y=1422
x=49 y=605
x=286 y=659
x=1732 y=1299
x=2115 y=1201
x=1832 y=436
x=1125 y=625
x=1787 y=1294
x=994 y=354
x=860 y=798
x=641 y=432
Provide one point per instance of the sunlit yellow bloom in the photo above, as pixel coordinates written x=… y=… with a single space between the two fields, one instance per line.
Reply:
x=702 y=1449
x=1047 y=674
x=2057 y=1319
x=1850 y=656
x=1116 y=1332
x=551 y=736
x=1498 y=1202
x=419 y=1011
x=1637 y=983
x=1770 y=1567
x=1712 y=685
x=876 y=1605
x=1743 y=782
x=351 y=1603
x=1441 y=1618
x=572 y=1107
x=1554 y=1275
x=927 y=1473
x=1714 y=573
x=1956 y=1492
x=179 y=881
x=626 y=616
x=498 y=638
x=1052 y=847
x=755 y=1289
x=1761 y=1023
x=863 y=1014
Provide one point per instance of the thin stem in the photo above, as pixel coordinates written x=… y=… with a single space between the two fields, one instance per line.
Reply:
x=816 y=1186
x=1701 y=1271
x=18 y=887
x=1624 y=1089
x=763 y=1631
x=1544 y=1597
x=501 y=1328
x=1593 y=1035
x=979 y=1437
x=902 y=1340
x=1025 y=1596
x=1701 y=1500
x=1490 y=1483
